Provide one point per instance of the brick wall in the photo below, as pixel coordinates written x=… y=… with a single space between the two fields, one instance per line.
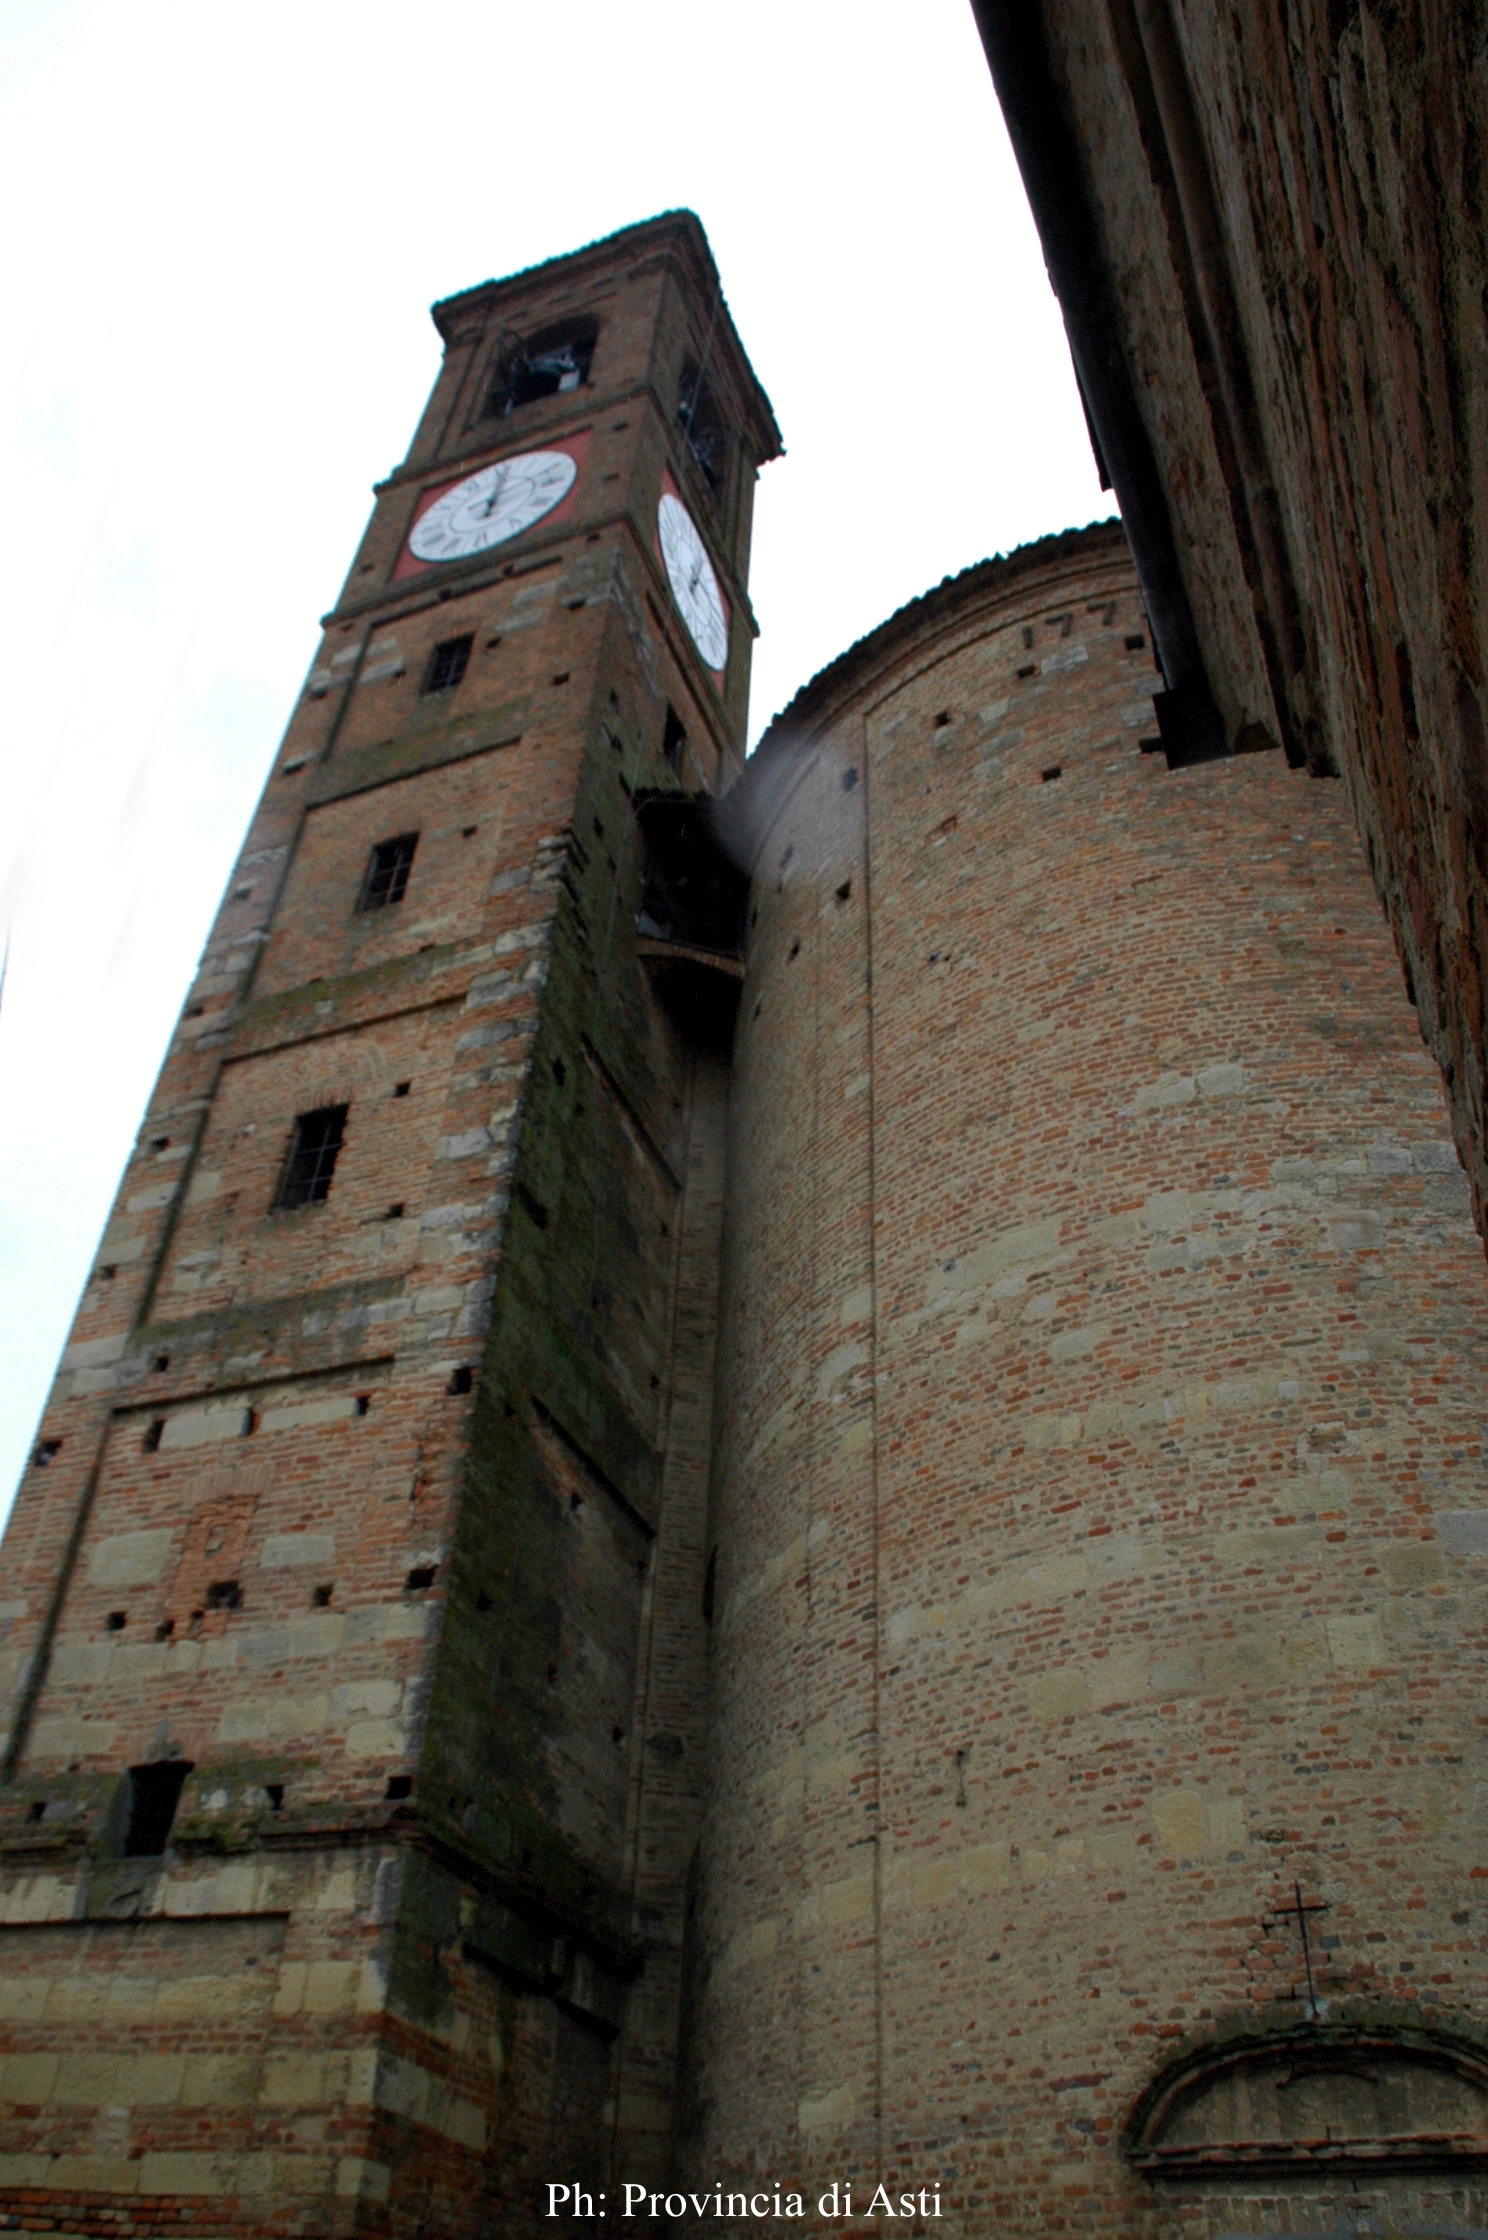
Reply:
x=380 y=1516
x=1288 y=211
x=1100 y=1474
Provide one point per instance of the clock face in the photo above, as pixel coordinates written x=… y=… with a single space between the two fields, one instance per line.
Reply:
x=694 y=585
x=493 y=504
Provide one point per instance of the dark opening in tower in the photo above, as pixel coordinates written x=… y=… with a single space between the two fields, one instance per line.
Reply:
x=545 y=364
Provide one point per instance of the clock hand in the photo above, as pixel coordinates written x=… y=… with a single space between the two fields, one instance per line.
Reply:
x=496 y=489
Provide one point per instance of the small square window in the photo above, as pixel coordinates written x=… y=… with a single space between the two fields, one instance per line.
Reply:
x=385 y=880
x=447 y=663
x=313 y=1152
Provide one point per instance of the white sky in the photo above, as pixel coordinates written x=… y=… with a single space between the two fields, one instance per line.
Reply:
x=226 y=226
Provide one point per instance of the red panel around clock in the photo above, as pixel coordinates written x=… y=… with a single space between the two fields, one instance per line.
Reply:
x=575 y=445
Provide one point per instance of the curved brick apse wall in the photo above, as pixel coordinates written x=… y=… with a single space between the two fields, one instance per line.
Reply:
x=1099 y=1519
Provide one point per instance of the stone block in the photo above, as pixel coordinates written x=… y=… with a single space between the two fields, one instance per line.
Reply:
x=28 y=2078
x=130 y=1559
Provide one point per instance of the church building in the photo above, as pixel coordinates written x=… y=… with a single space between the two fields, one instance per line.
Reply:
x=767 y=1507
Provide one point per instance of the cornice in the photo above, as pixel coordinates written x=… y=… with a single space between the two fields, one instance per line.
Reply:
x=677 y=234
x=847 y=676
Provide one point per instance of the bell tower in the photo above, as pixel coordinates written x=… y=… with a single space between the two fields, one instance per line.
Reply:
x=353 y=1599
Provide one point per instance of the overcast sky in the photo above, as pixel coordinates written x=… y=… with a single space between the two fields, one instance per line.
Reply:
x=226 y=226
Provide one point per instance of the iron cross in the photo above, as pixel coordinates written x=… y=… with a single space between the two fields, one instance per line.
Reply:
x=1300 y=1911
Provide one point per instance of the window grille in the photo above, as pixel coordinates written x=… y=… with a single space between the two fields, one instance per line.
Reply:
x=447 y=663
x=313 y=1152
x=386 y=876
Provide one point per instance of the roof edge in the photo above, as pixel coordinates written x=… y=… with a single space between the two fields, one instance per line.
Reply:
x=682 y=225
x=810 y=705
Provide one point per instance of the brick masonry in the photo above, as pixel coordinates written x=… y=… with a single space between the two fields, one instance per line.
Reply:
x=1288 y=205
x=382 y=1516
x=794 y=1615
x=1099 y=1493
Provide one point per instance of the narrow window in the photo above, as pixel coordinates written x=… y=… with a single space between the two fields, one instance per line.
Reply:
x=47 y=1452
x=385 y=880
x=225 y=1594
x=674 y=740
x=313 y=1152
x=447 y=663
x=154 y=1793
x=703 y=424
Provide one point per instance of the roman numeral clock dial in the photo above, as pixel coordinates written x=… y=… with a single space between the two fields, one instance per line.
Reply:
x=493 y=504
x=694 y=585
